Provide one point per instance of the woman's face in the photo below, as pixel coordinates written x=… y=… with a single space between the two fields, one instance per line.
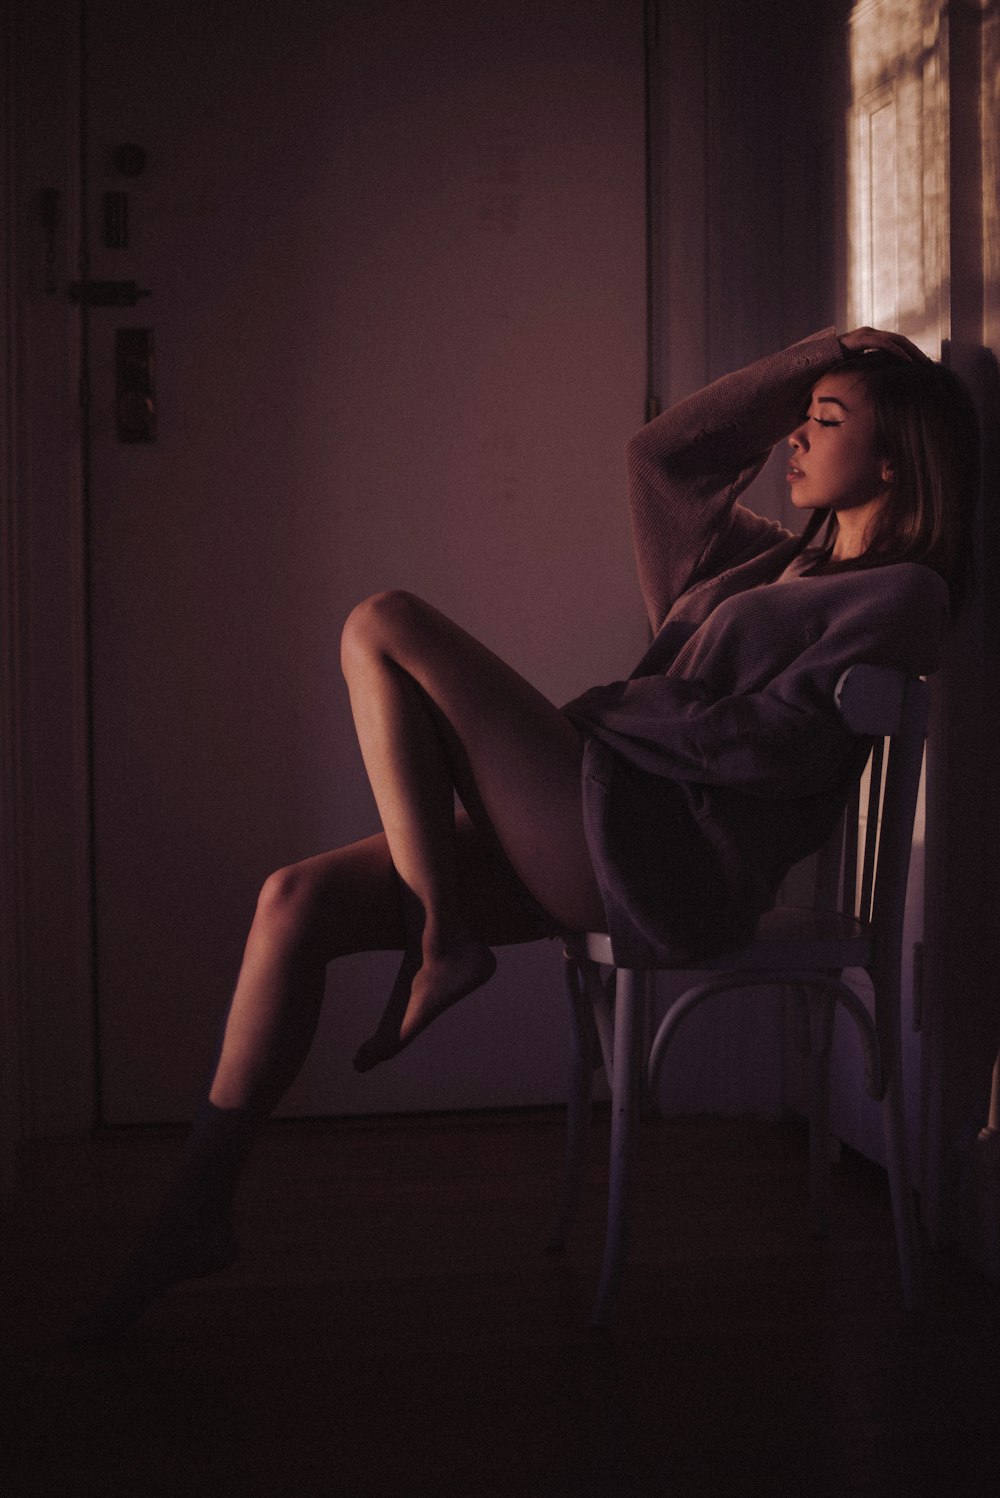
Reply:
x=834 y=462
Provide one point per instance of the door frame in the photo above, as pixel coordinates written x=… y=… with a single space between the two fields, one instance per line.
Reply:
x=12 y=954
x=47 y=1053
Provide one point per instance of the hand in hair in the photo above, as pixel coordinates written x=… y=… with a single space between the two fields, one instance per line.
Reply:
x=865 y=340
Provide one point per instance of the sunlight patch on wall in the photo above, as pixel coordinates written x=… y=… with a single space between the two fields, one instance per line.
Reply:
x=897 y=169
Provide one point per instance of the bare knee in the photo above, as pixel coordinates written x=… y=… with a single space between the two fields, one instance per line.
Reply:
x=286 y=905
x=378 y=623
x=346 y=900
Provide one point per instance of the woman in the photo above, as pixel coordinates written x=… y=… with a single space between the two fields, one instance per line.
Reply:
x=705 y=775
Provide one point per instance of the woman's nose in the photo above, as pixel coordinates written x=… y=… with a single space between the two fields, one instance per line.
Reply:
x=798 y=437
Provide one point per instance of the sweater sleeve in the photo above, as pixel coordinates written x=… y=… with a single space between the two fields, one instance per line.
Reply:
x=688 y=466
x=787 y=737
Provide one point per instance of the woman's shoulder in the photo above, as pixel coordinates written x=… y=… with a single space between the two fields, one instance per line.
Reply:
x=910 y=582
x=907 y=582
x=899 y=612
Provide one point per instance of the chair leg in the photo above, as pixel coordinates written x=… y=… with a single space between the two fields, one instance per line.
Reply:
x=903 y=1208
x=626 y=1091
x=649 y=1105
x=578 y=1105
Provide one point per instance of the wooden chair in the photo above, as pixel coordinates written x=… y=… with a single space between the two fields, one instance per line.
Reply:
x=855 y=922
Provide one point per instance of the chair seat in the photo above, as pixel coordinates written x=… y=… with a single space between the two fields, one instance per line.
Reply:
x=786 y=938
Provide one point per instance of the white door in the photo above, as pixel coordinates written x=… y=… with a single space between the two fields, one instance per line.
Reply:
x=396 y=263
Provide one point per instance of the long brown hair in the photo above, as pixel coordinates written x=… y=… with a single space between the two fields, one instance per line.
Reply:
x=927 y=433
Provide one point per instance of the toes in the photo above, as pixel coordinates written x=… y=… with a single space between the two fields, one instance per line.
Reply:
x=378 y=1048
x=425 y=1007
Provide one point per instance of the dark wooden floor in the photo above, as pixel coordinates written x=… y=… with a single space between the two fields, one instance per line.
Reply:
x=393 y=1328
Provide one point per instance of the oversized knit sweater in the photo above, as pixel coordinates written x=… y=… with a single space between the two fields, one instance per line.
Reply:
x=722 y=759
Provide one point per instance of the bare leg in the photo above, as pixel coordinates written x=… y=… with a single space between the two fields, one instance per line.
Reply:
x=339 y=902
x=303 y=918
x=991 y=1131
x=414 y=790
x=436 y=711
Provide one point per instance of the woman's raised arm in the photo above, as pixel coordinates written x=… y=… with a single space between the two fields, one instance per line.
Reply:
x=688 y=466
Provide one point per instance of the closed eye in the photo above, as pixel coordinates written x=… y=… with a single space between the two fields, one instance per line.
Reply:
x=823 y=422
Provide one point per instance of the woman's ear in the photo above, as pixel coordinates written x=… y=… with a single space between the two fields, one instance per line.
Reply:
x=887 y=473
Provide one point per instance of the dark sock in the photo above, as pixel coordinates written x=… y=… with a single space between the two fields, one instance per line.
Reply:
x=193 y=1234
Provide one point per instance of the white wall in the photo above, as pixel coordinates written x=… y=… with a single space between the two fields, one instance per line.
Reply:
x=397 y=264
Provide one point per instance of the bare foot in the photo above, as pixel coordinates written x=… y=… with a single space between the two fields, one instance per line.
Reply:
x=421 y=994
x=168 y=1256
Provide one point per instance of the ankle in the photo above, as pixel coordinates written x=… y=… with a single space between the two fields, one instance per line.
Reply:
x=447 y=942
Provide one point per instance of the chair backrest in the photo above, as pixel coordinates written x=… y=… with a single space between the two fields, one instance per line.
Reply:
x=863 y=869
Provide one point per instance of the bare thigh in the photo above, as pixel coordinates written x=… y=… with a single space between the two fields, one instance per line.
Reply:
x=349 y=897
x=516 y=758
